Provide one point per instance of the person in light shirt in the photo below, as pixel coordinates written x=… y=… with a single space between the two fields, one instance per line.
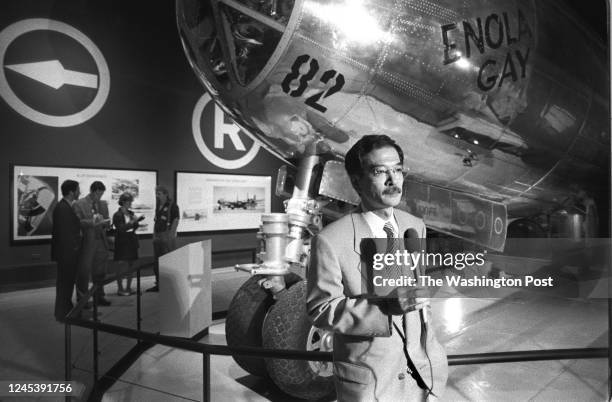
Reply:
x=93 y=260
x=164 y=230
x=384 y=349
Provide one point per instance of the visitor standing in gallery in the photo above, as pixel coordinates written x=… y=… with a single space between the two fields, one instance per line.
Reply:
x=65 y=246
x=93 y=259
x=164 y=231
x=126 y=242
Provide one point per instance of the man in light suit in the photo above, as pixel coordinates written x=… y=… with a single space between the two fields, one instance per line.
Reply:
x=93 y=259
x=384 y=349
x=65 y=245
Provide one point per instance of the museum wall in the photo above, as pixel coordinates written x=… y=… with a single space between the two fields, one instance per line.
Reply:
x=144 y=123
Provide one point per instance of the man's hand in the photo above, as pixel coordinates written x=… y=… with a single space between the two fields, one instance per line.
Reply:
x=405 y=299
x=98 y=220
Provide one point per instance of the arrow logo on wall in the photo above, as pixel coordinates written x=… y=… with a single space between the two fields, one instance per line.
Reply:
x=53 y=74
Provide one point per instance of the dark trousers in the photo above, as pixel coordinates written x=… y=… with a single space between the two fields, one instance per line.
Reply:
x=162 y=244
x=64 y=285
x=93 y=261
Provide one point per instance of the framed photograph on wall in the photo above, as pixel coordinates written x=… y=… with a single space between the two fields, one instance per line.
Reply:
x=212 y=202
x=35 y=190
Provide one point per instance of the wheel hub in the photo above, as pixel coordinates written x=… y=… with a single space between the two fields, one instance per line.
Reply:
x=319 y=340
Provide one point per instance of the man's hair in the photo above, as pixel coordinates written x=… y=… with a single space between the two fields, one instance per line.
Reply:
x=353 y=161
x=163 y=190
x=96 y=186
x=125 y=197
x=69 y=186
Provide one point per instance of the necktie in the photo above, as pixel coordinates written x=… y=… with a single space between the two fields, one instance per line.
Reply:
x=97 y=229
x=391 y=238
x=392 y=247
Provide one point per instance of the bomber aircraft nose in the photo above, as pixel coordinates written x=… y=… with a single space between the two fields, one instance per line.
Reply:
x=230 y=41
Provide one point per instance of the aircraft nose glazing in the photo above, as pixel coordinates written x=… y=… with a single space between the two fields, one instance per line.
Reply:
x=231 y=41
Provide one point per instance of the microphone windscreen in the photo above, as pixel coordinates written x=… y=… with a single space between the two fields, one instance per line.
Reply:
x=412 y=242
x=411 y=234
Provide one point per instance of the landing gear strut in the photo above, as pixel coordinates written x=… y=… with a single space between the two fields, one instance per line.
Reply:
x=270 y=308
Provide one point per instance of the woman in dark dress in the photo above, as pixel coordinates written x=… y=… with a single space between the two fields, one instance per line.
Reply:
x=126 y=241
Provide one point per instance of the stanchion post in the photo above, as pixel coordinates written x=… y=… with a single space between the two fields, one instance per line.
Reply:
x=608 y=263
x=206 y=375
x=609 y=326
x=67 y=355
x=138 y=317
x=95 y=342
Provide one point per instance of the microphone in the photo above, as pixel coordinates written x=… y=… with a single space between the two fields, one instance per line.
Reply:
x=412 y=243
x=368 y=249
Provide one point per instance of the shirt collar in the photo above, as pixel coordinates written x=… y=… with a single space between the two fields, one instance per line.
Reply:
x=376 y=223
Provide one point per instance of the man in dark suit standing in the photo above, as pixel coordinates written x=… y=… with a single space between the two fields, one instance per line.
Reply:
x=65 y=245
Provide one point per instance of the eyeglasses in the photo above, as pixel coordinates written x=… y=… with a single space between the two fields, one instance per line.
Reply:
x=382 y=171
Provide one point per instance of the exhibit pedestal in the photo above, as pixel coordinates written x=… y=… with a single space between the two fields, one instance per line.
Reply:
x=185 y=301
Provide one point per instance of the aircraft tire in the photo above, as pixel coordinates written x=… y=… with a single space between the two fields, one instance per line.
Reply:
x=287 y=327
x=245 y=317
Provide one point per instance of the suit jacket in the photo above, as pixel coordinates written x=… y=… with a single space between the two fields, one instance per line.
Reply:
x=369 y=360
x=84 y=209
x=66 y=232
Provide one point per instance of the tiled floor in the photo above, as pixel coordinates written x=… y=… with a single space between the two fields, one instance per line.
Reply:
x=31 y=347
